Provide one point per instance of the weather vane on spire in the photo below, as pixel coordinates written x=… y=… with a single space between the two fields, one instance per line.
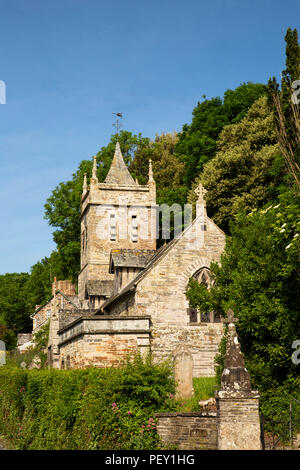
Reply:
x=118 y=124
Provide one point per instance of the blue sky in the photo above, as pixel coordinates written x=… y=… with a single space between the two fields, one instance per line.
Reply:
x=68 y=64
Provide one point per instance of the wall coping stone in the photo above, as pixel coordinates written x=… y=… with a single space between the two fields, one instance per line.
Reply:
x=101 y=318
x=104 y=332
x=237 y=394
x=203 y=414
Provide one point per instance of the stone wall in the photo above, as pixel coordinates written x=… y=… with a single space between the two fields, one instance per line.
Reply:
x=66 y=287
x=43 y=313
x=24 y=342
x=202 y=340
x=41 y=317
x=188 y=431
x=102 y=341
x=161 y=294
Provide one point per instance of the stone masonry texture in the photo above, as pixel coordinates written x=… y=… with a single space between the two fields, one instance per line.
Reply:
x=188 y=431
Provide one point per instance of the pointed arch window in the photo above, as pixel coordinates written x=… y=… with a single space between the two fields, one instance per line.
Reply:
x=203 y=276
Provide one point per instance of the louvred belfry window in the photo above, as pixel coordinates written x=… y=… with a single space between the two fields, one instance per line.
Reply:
x=113 y=227
x=134 y=228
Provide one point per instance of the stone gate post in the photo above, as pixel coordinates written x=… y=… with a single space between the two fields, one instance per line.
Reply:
x=238 y=419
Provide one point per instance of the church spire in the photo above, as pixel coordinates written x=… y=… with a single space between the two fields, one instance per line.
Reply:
x=118 y=172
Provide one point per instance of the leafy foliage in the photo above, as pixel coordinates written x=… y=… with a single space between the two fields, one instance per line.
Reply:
x=204 y=388
x=197 y=142
x=286 y=111
x=12 y=306
x=240 y=175
x=37 y=352
x=85 y=409
x=259 y=279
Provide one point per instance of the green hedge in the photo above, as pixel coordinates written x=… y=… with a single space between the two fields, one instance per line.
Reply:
x=85 y=409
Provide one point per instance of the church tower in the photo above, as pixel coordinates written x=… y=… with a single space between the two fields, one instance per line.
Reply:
x=118 y=216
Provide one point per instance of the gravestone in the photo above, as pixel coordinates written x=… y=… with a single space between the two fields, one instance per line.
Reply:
x=35 y=363
x=183 y=372
x=2 y=353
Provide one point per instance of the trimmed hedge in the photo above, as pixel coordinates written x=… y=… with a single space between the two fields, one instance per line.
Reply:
x=85 y=409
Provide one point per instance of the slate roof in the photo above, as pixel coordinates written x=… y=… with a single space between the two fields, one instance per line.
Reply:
x=129 y=258
x=104 y=288
x=118 y=172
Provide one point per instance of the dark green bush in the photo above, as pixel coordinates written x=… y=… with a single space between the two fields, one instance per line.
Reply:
x=85 y=409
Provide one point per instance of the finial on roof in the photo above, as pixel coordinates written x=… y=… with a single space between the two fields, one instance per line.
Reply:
x=201 y=203
x=95 y=168
x=200 y=191
x=85 y=187
x=150 y=180
x=118 y=124
x=94 y=179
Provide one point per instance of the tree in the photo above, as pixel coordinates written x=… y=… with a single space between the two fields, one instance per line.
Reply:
x=286 y=108
x=240 y=175
x=167 y=168
x=258 y=277
x=197 y=142
x=237 y=102
x=38 y=286
x=7 y=336
x=14 y=316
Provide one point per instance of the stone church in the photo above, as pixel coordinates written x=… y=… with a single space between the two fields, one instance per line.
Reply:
x=132 y=296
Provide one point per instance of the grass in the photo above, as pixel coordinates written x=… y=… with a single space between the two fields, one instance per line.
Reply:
x=15 y=359
x=204 y=388
x=5 y=444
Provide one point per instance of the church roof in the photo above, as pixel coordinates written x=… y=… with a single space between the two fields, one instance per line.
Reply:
x=104 y=288
x=129 y=258
x=118 y=172
x=131 y=285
